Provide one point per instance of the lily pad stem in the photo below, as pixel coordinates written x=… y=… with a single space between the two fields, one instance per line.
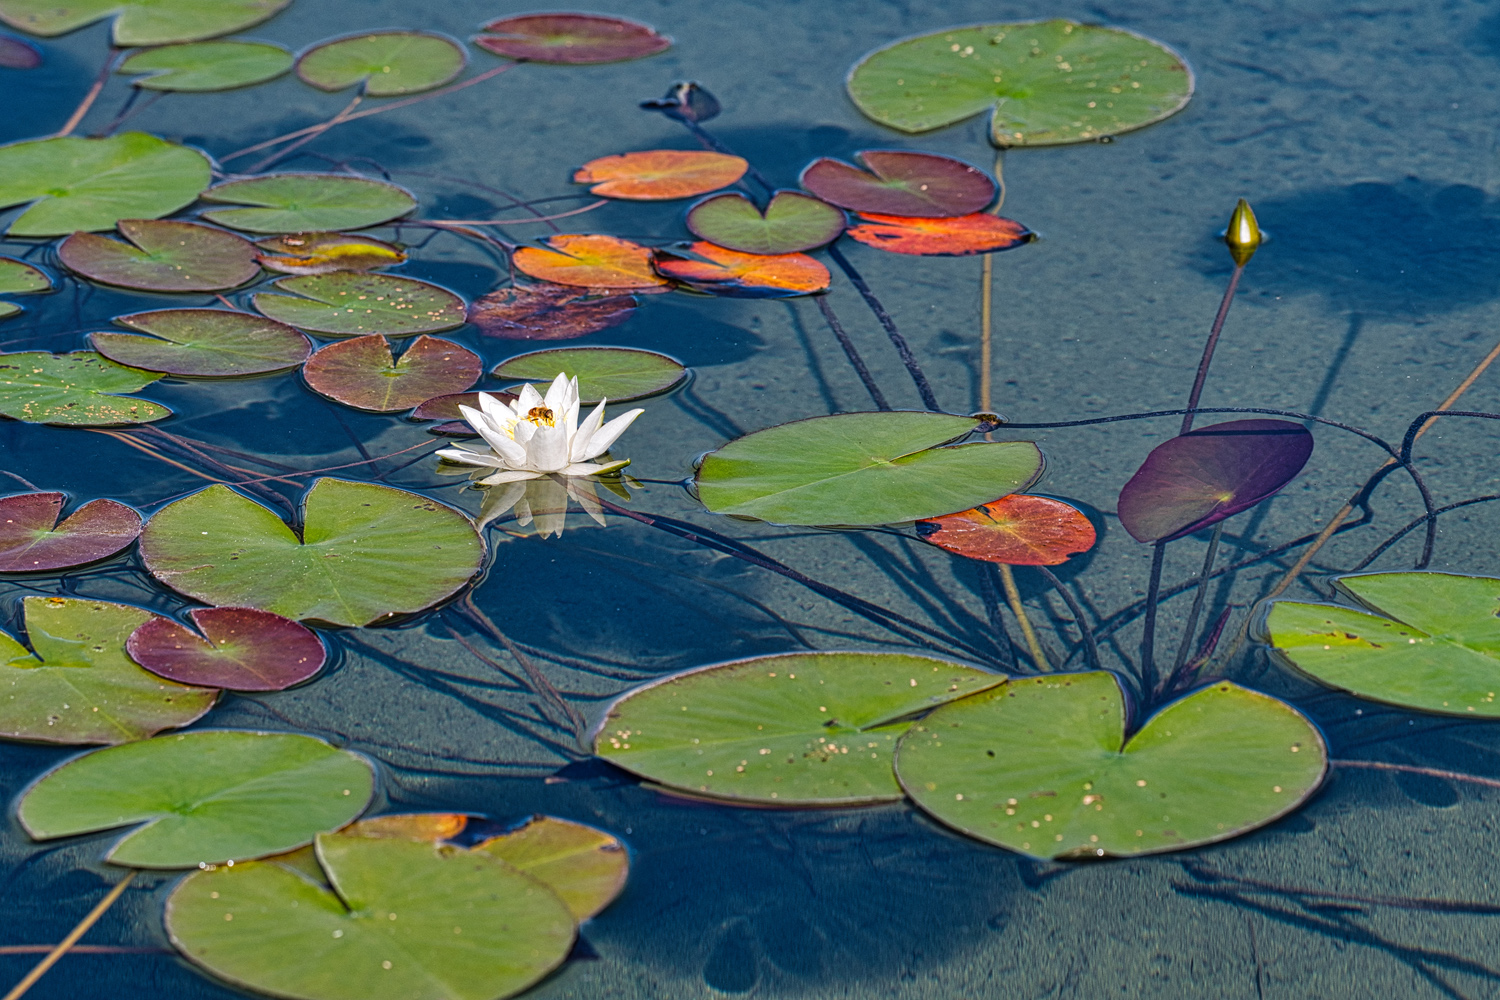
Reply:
x=987 y=300
x=93 y=94
x=1208 y=348
x=1013 y=598
x=1198 y=598
x=1431 y=772
x=924 y=388
x=286 y=151
x=539 y=682
x=1090 y=645
x=68 y=942
x=852 y=353
x=1148 y=629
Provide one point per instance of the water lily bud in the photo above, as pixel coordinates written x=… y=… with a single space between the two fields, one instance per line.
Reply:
x=1243 y=236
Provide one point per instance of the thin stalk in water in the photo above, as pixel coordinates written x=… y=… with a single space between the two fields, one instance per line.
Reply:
x=987 y=302
x=1013 y=598
x=40 y=969
x=1243 y=238
x=924 y=388
x=76 y=118
x=286 y=151
x=852 y=353
x=1148 y=629
x=1091 y=647
x=1198 y=599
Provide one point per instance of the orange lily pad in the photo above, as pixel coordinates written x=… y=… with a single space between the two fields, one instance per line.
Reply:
x=721 y=271
x=660 y=174
x=957 y=236
x=1018 y=530
x=590 y=261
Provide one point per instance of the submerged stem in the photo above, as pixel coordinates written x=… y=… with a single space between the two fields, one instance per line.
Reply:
x=1198 y=598
x=987 y=301
x=40 y=969
x=852 y=353
x=1208 y=348
x=91 y=96
x=1013 y=598
x=899 y=342
x=286 y=151
x=1089 y=644
x=1148 y=630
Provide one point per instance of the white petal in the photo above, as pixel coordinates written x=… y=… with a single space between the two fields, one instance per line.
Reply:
x=586 y=432
x=495 y=408
x=547 y=451
x=508 y=476
x=501 y=442
x=529 y=400
x=557 y=393
x=590 y=469
x=609 y=433
x=464 y=457
x=498 y=502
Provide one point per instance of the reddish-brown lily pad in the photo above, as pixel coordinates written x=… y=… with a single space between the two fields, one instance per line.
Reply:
x=571 y=39
x=547 y=311
x=244 y=650
x=362 y=373
x=957 y=236
x=1018 y=530
x=31 y=540
x=162 y=256
x=446 y=408
x=896 y=182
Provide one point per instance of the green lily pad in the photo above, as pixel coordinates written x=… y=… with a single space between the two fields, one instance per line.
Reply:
x=76 y=390
x=20 y=278
x=306 y=202
x=348 y=304
x=386 y=62
x=1048 y=82
x=1042 y=766
x=793 y=729
x=206 y=66
x=362 y=373
x=790 y=223
x=367 y=552
x=586 y=867
x=1428 y=641
x=616 y=373
x=396 y=918
x=163 y=257
x=863 y=469
x=140 y=22
x=80 y=686
x=205 y=797
x=77 y=184
x=204 y=343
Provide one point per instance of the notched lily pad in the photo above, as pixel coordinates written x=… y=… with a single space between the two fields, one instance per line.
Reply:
x=590 y=261
x=198 y=67
x=715 y=270
x=1018 y=530
x=660 y=174
x=141 y=22
x=204 y=798
x=80 y=686
x=306 y=202
x=899 y=182
x=957 y=236
x=324 y=253
x=32 y=540
x=77 y=390
x=386 y=62
x=791 y=222
x=548 y=311
x=1042 y=766
x=20 y=278
x=347 y=304
x=361 y=372
x=793 y=729
x=1421 y=640
x=367 y=553
x=163 y=256
x=570 y=39
x=586 y=867
x=616 y=373
x=203 y=343
x=241 y=649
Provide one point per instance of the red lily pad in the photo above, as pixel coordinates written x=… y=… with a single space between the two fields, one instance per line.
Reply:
x=720 y=271
x=1018 y=530
x=896 y=182
x=362 y=373
x=31 y=540
x=570 y=39
x=548 y=311
x=1201 y=477
x=241 y=649
x=163 y=256
x=957 y=236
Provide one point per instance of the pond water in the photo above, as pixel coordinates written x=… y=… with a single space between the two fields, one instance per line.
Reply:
x=1364 y=137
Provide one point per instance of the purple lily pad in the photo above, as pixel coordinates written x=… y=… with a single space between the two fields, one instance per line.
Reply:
x=31 y=540
x=244 y=650
x=1199 y=478
x=17 y=53
x=571 y=39
x=895 y=182
x=361 y=372
x=547 y=311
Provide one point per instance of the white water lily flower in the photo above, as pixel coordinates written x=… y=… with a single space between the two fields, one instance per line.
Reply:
x=539 y=436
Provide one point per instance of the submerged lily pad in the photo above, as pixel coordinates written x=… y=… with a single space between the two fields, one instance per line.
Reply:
x=20 y=278
x=163 y=256
x=75 y=184
x=547 y=311
x=792 y=729
x=617 y=373
x=78 y=390
x=899 y=182
x=367 y=552
x=241 y=649
x=1042 y=766
x=719 y=271
x=862 y=469
x=140 y=22
x=1048 y=82
x=470 y=926
x=206 y=343
x=1199 y=478
x=204 y=797
x=348 y=304
x=590 y=261
x=18 y=53
x=207 y=66
x=792 y=222
x=31 y=540
x=362 y=373
x=1432 y=642
x=304 y=202
x=570 y=39
x=584 y=866
x=1018 y=530
x=324 y=253
x=956 y=236
x=80 y=687
x=386 y=62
